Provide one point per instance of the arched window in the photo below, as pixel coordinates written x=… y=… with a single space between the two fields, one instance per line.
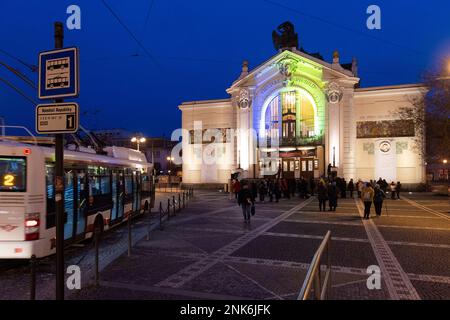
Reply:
x=290 y=116
x=272 y=124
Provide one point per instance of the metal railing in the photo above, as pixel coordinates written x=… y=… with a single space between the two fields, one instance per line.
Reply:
x=313 y=282
x=174 y=206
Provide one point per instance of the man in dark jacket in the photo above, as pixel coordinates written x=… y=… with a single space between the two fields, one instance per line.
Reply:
x=332 y=196
x=398 y=189
x=246 y=200
x=351 y=188
x=322 y=195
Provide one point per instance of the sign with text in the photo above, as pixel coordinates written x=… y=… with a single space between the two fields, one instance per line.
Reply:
x=57 y=118
x=58 y=74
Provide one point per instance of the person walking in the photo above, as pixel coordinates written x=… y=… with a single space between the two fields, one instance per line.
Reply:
x=332 y=196
x=312 y=185
x=344 y=188
x=237 y=188
x=277 y=190
x=398 y=188
x=378 y=198
x=367 y=194
x=246 y=201
x=322 y=195
x=262 y=191
x=351 y=188
x=359 y=187
x=271 y=189
x=393 y=187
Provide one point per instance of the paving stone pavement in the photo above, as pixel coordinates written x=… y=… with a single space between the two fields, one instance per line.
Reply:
x=207 y=252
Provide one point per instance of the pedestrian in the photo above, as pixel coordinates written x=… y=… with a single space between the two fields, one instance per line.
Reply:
x=254 y=189
x=271 y=189
x=237 y=188
x=312 y=185
x=329 y=170
x=393 y=187
x=359 y=186
x=277 y=189
x=344 y=188
x=367 y=194
x=384 y=186
x=332 y=196
x=322 y=195
x=378 y=199
x=262 y=191
x=351 y=187
x=398 y=188
x=246 y=201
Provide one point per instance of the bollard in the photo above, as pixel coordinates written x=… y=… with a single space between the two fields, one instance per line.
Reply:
x=168 y=209
x=160 y=216
x=33 y=277
x=179 y=202
x=129 y=235
x=184 y=200
x=174 y=206
x=97 y=246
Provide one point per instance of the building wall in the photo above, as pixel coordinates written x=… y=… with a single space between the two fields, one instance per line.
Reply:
x=208 y=115
x=403 y=161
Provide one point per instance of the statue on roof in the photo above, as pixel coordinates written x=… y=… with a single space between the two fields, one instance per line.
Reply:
x=284 y=36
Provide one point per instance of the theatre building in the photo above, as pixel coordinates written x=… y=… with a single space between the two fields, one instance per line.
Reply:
x=295 y=114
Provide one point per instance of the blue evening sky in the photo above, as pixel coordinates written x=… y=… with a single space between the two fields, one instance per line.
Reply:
x=197 y=47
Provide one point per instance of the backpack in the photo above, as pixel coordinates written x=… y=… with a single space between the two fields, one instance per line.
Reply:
x=366 y=196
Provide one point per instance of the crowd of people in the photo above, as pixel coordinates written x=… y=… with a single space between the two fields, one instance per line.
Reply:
x=328 y=189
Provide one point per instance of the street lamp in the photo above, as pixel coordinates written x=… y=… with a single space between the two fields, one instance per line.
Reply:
x=138 y=141
x=170 y=159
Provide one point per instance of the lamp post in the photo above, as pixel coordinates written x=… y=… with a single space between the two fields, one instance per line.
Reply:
x=170 y=159
x=138 y=141
x=445 y=161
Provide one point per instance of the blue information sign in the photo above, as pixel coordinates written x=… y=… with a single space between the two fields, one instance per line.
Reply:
x=58 y=73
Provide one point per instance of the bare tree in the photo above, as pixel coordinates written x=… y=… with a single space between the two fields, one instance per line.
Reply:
x=431 y=116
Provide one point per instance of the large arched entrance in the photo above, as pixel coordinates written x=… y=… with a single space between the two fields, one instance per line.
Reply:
x=289 y=133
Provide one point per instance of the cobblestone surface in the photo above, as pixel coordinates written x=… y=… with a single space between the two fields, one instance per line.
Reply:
x=211 y=254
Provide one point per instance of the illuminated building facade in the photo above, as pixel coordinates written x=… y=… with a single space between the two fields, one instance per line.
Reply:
x=294 y=115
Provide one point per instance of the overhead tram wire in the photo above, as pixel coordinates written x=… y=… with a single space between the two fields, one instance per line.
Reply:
x=32 y=67
x=146 y=21
x=19 y=74
x=18 y=91
x=331 y=23
x=130 y=33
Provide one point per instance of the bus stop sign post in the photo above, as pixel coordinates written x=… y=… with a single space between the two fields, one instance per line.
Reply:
x=59 y=187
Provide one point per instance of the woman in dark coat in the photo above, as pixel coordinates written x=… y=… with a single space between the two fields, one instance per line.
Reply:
x=378 y=198
x=322 y=195
x=332 y=196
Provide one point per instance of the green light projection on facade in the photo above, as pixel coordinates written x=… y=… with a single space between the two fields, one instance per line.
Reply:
x=304 y=77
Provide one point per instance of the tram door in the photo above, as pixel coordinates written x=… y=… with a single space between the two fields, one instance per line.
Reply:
x=75 y=203
x=81 y=205
x=117 y=196
x=69 y=204
x=120 y=194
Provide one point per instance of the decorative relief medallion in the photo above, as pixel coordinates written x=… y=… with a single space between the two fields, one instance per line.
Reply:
x=385 y=146
x=334 y=93
x=244 y=99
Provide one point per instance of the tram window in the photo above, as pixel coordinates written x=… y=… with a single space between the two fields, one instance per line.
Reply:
x=105 y=184
x=94 y=185
x=128 y=184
